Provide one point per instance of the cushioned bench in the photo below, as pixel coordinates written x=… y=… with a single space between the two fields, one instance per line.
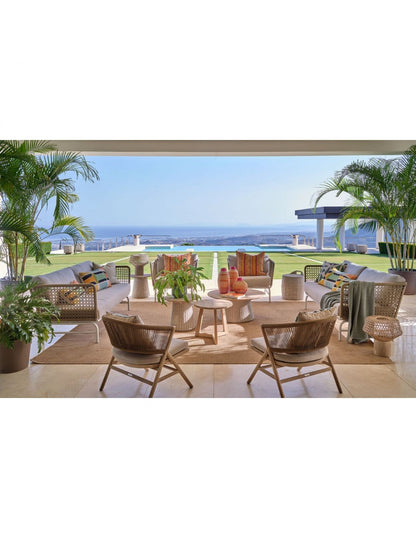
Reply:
x=91 y=304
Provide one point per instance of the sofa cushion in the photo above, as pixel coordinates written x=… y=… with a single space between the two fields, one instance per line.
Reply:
x=110 y=269
x=352 y=268
x=62 y=276
x=314 y=290
x=371 y=275
x=83 y=267
x=258 y=281
x=109 y=297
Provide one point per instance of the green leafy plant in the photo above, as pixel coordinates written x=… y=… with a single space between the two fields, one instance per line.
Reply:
x=25 y=312
x=34 y=176
x=186 y=280
x=382 y=194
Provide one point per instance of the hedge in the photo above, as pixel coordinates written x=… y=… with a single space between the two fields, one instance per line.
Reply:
x=382 y=247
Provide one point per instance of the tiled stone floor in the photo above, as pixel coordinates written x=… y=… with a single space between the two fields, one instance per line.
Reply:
x=397 y=380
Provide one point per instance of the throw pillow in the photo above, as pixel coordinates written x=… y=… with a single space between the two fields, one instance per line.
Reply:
x=98 y=277
x=317 y=314
x=250 y=265
x=108 y=268
x=334 y=280
x=70 y=295
x=173 y=263
x=326 y=268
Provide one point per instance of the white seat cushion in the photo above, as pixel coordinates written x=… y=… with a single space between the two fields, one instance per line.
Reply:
x=138 y=359
x=291 y=358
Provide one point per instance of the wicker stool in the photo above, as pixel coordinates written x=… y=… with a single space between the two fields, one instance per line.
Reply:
x=362 y=249
x=292 y=286
x=384 y=330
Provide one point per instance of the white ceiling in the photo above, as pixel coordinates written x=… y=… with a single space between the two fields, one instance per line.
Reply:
x=235 y=147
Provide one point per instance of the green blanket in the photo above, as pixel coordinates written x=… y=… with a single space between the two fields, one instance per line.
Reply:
x=330 y=299
x=360 y=305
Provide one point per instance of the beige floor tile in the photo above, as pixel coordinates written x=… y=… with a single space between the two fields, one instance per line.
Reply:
x=374 y=381
x=230 y=381
x=201 y=377
x=117 y=386
x=46 y=381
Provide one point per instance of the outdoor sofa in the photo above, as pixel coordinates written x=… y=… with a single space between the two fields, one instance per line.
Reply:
x=90 y=305
x=388 y=289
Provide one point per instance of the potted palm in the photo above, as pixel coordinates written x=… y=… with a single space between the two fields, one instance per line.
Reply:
x=25 y=313
x=183 y=282
x=382 y=195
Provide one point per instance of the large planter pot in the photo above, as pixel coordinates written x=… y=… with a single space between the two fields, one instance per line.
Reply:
x=14 y=360
x=410 y=277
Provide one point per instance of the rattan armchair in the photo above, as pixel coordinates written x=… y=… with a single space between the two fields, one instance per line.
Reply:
x=144 y=346
x=297 y=344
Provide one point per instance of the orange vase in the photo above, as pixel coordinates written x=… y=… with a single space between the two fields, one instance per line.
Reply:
x=233 y=277
x=240 y=285
x=223 y=281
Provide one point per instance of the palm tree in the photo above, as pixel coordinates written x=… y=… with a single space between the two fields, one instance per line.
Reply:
x=382 y=194
x=31 y=178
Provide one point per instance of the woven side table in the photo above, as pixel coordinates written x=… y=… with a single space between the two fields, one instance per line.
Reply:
x=292 y=286
x=384 y=330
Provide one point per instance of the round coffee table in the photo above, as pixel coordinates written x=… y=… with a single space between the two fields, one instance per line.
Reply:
x=183 y=315
x=241 y=310
x=215 y=305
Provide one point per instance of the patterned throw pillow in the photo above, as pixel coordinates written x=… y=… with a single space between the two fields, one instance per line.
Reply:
x=130 y=318
x=326 y=268
x=250 y=265
x=70 y=295
x=334 y=279
x=110 y=270
x=98 y=277
x=173 y=263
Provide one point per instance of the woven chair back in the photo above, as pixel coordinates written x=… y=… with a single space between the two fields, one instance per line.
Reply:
x=138 y=338
x=299 y=337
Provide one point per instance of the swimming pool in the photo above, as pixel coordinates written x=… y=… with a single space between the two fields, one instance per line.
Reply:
x=217 y=248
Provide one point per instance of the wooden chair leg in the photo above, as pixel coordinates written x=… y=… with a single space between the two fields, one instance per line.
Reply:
x=156 y=379
x=180 y=371
x=106 y=374
x=338 y=384
x=279 y=385
x=256 y=369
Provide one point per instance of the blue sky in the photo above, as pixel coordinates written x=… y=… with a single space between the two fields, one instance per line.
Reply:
x=206 y=191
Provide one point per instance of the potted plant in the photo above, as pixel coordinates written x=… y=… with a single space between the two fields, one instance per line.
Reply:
x=25 y=312
x=185 y=280
x=382 y=194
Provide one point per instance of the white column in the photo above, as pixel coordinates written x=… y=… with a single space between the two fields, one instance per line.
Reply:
x=319 y=234
x=342 y=236
x=379 y=236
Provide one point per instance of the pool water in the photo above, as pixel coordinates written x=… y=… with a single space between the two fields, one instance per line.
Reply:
x=217 y=248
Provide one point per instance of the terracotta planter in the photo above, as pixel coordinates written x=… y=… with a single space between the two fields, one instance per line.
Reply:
x=14 y=360
x=410 y=277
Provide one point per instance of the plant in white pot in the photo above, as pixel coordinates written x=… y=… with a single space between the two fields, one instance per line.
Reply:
x=382 y=194
x=25 y=313
x=186 y=280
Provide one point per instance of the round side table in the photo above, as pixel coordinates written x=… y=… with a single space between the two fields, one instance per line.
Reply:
x=215 y=305
x=292 y=286
x=140 y=280
x=183 y=314
x=241 y=310
x=384 y=330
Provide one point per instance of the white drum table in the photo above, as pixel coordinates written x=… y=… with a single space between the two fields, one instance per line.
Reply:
x=183 y=315
x=241 y=310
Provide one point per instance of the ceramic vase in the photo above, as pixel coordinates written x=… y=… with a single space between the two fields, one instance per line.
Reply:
x=240 y=286
x=233 y=277
x=223 y=281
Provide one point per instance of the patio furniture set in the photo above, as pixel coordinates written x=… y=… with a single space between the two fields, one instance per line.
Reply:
x=297 y=344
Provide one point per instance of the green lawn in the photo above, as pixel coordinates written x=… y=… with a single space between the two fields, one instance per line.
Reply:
x=286 y=263
x=59 y=261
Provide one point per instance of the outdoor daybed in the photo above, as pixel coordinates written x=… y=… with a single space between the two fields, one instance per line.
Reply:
x=80 y=302
x=388 y=289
